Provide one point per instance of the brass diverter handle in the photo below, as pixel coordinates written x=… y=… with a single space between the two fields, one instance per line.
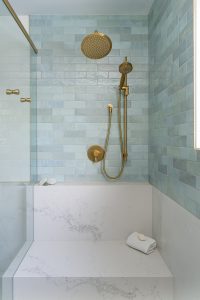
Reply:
x=25 y=100
x=12 y=92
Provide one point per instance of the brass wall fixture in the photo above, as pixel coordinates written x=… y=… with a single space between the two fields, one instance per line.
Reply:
x=96 y=45
x=125 y=68
x=95 y=153
x=25 y=100
x=12 y=92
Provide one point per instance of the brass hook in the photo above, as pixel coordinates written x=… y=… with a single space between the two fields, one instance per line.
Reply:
x=12 y=92
x=25 y=100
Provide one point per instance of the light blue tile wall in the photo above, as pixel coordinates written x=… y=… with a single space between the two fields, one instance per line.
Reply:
x=174 y=165
x=73 y=93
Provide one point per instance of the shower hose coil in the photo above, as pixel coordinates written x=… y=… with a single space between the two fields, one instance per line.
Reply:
x=104 y=171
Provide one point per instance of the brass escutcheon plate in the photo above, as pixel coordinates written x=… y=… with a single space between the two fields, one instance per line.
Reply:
x=95 y=153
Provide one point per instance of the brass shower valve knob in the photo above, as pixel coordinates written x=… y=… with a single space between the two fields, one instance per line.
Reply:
x=95 y=153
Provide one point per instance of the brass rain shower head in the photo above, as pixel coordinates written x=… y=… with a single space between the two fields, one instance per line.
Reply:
x=96 y=45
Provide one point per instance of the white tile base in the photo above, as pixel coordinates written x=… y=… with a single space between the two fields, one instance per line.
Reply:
x=91 y=212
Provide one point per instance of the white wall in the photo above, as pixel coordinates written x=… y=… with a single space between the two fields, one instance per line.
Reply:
x=177 y=232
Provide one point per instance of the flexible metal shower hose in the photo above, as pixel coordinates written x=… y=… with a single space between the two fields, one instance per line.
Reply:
x=105 y=173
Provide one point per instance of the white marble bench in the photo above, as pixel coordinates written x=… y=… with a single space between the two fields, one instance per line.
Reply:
x=87 y=270
x=79 y=250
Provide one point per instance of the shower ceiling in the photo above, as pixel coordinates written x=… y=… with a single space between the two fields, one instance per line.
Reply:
x=82 y=7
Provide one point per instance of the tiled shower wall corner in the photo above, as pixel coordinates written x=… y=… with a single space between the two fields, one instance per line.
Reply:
x=174 y=165
x=73 y=93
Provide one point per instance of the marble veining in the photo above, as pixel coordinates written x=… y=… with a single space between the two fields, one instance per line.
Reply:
x=104 y=288
x=71 y=222
x=83 y=212
x=91 y=270
x=90 y=259
x=94 y=288
x=75 y=226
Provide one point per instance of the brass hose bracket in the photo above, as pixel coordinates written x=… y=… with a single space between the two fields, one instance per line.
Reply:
x=126 y=90
x=110 y=108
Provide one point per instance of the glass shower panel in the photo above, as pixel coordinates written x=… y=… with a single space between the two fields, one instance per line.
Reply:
x=14 y=114
x=16 y=231
x=18 y=167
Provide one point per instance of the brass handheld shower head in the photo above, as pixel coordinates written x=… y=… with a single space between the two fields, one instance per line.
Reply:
x=125 y=68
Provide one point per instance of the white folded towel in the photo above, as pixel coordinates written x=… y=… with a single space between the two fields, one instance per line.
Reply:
x=141 y=242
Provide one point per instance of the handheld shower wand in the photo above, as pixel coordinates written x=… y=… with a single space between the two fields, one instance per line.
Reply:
x=125 y=68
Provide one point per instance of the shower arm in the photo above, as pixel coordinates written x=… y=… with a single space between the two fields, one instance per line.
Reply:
x=125 y=89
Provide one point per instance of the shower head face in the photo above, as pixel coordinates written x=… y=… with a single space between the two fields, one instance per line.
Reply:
x=125 y=68
x=96 y=45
